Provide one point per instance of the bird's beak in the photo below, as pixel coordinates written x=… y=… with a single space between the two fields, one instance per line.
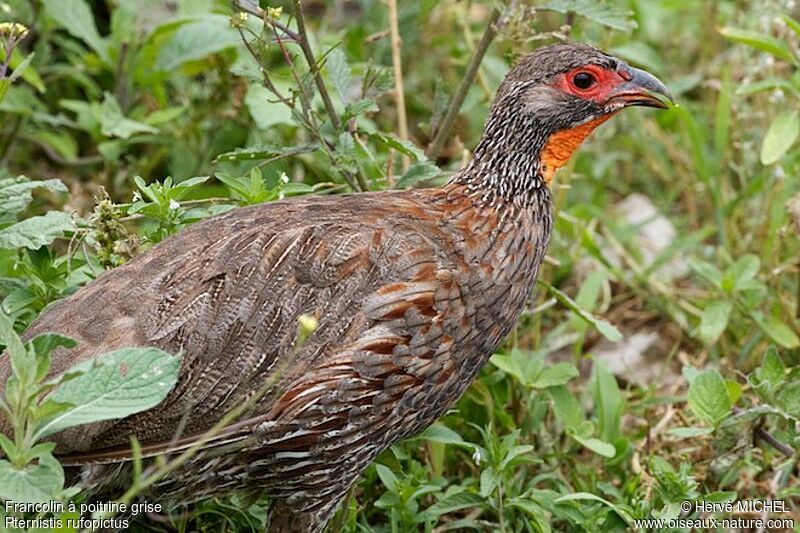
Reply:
x=640 y=88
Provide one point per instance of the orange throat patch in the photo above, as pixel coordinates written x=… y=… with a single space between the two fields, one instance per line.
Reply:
x=562 y=144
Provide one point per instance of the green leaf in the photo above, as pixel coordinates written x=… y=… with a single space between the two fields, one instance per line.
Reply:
x=518 y=363
x=35 y=483
x=708 y=397
x=566 y=407
x=714 y=320
x=608 y=402
x=15 y=194
x=534 y=511
x=61 y=142
x=264 y=151
x=606 y=329
x=265 y=112
x=45 y=343
x=454 y=502
x=688 y=433
x=607 y=15
x=734 y=391
x=195 y=40
x=345 y=152
x=7 y=446
x=339 y=73
x=390 y=141
x=387 y=477
x=772 y=371
x=75 y=16
x=792 y=23
x=438 y=432
x=11 y=339
x=593 y=497
x=780 y=136
x=558 y=374
x=416 y=173
x=36 y=232
x=744 y=269
x=358 y=107
x=777 y=330
x=42 y=345
x=707 y=270
x=115 y=124
x=114 y=385
x=21 y=68
x=759 y=41
x=788 y=399
x=488 y=481
x=597 y=446
x=163 y=116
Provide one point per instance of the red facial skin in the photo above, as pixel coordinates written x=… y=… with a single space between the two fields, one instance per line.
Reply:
x=600 y=91
x=561 y=145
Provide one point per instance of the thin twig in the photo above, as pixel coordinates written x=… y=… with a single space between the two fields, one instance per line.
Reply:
x=399 y=92
x=764 y=435
x=305 y=46
x=455 y=104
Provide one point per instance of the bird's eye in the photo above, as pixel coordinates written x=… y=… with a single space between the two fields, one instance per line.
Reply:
x=583 y=80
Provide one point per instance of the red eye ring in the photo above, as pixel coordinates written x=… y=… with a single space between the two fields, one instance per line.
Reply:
x=583 y=80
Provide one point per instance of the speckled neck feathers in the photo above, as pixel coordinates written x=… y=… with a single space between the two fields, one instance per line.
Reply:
x=506 y=165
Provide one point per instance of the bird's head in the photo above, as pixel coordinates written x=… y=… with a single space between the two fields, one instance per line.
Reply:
x=553 y=99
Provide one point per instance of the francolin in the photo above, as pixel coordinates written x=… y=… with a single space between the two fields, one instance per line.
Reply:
x=412 y=292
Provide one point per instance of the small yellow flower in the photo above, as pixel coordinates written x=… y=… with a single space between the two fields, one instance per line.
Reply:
x=12 y=30
x=237 y=20
x=274 y=13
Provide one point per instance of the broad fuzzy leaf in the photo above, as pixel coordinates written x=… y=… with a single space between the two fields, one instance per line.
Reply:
x=416 y=173
x=777 y=330
x=339 y=73
x=607 y=15
x=35 y=483
x=114 y=385
x=195 y=40
x=75 y=16
x=404 y=147
x=15 y=194
x=708 y=397
x=36 y=232
x=714 y=320
x=115 y=124
x=558 y=374
x=264 y=151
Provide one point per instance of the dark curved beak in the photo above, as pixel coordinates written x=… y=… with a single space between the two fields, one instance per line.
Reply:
x=640 y=88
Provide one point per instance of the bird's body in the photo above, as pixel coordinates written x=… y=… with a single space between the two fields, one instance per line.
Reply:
x=412 y=291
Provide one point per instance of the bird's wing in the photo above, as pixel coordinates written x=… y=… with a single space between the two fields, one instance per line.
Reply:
x=228 y=294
